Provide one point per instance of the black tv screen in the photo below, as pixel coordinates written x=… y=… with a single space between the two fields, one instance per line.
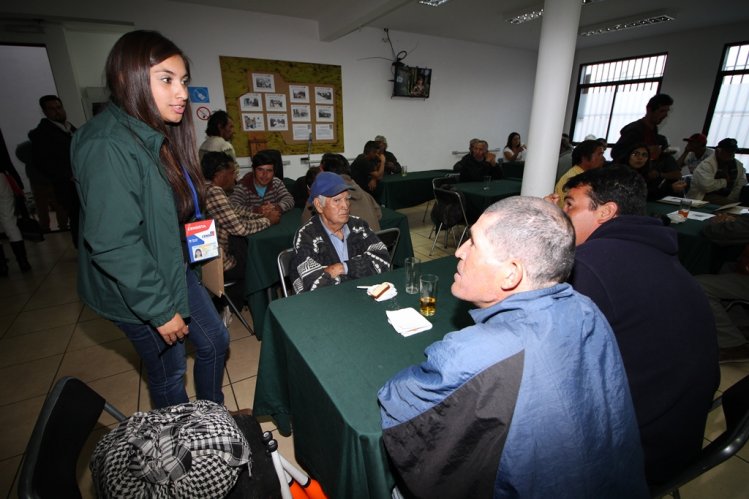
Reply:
x=411 y=81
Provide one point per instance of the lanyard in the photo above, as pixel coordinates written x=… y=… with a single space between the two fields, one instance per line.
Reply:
x=198 y=214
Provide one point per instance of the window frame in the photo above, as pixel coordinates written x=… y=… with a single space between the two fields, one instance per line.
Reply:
x=581 y=86
x=719 y=75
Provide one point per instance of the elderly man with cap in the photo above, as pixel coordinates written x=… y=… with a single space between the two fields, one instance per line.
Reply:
x=391 y=162
x=334 y=246
x=694 y=153
x=720 y=177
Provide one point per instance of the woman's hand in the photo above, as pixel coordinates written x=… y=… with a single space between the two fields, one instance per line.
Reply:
x=174 y=330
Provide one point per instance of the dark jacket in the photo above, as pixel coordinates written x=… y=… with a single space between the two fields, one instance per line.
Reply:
x=665 y=330
x=474 y=171
x=51 y=151
x=633 y=133
x=130 y=265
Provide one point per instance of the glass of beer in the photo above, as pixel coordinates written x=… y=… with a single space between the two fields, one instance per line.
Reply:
x=428 y=294
x=684 y=206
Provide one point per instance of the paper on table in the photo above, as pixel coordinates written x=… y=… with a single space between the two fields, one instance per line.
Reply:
x=693 y=215
x=408 y=321
x=696 y=203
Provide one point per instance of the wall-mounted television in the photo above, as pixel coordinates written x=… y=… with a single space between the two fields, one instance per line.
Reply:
x=411 y=81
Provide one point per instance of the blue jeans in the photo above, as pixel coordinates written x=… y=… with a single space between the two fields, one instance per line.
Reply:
x=166 y=365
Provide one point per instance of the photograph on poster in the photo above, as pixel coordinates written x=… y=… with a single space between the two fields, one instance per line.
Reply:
x=252 y=122
x=298 y=93
x=275 y=103
x=277 y=122
x=323 y=95
x=302 y=132
x=263 y=82
x=324 y=113
x=324 y=132
x=251 y=102
x=299 y=113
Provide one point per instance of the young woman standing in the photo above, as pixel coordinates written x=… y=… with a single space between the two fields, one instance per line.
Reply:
x=140 y=183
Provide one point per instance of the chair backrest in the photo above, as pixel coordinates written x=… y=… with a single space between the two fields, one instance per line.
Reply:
x=390 y=238
x=449 y=179
x=284 y=268
x=64 y=424
x=735 y=403
x=449 y=208
x=212 y=275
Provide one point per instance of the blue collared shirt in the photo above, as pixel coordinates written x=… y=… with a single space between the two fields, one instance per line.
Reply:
x=341 y=248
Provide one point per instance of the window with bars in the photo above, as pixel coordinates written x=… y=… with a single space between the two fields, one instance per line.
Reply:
x=611 y=94
x=728 y=114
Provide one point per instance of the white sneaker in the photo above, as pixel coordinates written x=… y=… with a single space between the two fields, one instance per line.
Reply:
x=226 y=316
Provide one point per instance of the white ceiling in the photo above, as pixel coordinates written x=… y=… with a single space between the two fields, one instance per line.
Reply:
x=483 y=20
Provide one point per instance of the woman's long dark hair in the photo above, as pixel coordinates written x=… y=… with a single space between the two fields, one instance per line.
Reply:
x=128 y=80
x=509 y=139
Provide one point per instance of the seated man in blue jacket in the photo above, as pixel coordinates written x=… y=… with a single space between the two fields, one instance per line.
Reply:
x=531 y=401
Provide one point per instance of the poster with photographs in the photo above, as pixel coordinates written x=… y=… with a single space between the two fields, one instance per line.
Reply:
x=275 y=103
x=324 y=113
x=299 y=113
x=299 y=93
x=251 y=102
x=279 y=105
x=323 y=95
x=324 y=132
x=302 y=132
x=253 y=122
x=263 y=82
x=277 y=122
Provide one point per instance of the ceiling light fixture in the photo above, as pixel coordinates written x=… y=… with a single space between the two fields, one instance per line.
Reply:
x=433 y=3
x=532 y=13
x=646 y=19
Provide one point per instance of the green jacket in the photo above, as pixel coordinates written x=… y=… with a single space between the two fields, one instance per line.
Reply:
x=131 y=267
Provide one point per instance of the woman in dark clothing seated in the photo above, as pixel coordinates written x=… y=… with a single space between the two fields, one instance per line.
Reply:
x=638 y=158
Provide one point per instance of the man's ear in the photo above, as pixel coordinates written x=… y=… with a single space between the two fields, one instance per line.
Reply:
x=511 y=274
x=317 y=205
x=606 y=212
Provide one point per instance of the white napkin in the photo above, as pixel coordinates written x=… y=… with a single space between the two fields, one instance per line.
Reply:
x=693 y=215
x=391 y=292
x=408 y=321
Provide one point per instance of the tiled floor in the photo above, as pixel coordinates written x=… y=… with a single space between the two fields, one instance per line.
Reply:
x=46 y=333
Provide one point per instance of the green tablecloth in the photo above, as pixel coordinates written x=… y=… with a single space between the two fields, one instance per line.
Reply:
x=323 y=358
x=696 y=252
x=478 y=199
x=396 y=191
x=263 y=248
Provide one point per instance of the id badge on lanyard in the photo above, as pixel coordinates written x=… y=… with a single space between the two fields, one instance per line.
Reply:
x=202 y=240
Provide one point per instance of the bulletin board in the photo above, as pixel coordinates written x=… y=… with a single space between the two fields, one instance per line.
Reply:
x=295 y=107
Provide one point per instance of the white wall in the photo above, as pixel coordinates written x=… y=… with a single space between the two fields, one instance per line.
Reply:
x=471 y=96
x=693 y=61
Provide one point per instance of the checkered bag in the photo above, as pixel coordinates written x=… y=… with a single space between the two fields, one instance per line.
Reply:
x=192 y=450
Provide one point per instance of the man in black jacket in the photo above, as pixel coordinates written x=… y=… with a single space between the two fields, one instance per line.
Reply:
x=51 y=149
x=627 y=263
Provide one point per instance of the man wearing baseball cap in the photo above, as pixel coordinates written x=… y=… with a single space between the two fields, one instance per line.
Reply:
x=334 y=246
x=720 y=177
x=695 y=152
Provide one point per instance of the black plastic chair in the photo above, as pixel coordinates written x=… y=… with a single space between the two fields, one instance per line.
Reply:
x=390 y=238
x=450 y=178
x=448 y=212
x=284 y=266
x=65 y=422
x=735 y=403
